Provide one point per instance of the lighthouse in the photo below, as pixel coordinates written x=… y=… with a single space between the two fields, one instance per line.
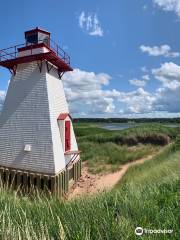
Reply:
x=37 y=142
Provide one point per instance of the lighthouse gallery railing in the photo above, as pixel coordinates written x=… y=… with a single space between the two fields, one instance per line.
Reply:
x=12 y=52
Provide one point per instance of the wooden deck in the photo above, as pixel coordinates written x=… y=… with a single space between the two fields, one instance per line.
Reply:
x=57 y=185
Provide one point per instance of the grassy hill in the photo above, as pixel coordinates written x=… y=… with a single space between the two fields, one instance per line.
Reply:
x=147 y=197
x=103 y=149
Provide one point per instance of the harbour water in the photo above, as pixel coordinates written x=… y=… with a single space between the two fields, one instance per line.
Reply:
x=117 y=126
x=122 y=126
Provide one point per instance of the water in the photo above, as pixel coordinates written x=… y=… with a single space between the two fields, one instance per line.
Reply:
x=172 y=125
x=122 y=126
x=117 y=126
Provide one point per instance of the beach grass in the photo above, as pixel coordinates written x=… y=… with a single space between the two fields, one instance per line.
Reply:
x=146 y=197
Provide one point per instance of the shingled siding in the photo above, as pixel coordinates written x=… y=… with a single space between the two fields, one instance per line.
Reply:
x=57 y=105
x=25 y=120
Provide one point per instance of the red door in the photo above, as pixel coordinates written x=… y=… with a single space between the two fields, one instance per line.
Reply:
x=67 y=135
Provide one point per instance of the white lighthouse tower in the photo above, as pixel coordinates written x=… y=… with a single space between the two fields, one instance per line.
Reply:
x=37 y=142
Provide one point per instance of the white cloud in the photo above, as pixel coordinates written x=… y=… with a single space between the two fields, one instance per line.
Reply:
x=137 y=82
x=84 y=89
x=164 y=101
x=85 y=93
x=138 y=101
x=89 y=94
x=168 y=74
x=169 y=5
x=163 y=50
x=168 y=100
x=90 y=24
x=145 y=77
x=168 y=94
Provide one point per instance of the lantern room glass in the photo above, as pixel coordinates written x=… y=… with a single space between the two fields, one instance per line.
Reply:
x=37 y=38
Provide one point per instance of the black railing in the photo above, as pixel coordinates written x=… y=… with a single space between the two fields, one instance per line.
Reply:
x=59 y=52
x=12 y=52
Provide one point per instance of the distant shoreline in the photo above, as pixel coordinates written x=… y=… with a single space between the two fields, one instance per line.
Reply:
x=127 y=120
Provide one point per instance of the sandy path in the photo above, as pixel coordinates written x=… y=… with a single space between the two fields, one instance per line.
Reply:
x=93 y=183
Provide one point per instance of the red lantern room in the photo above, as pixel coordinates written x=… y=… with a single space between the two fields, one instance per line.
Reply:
x=38 y=46
x=36 y=36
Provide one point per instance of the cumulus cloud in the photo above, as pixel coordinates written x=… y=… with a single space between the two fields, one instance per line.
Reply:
x=89 y=94
x=169 y=5
x=168 y=100
x=85 y=90
x=168 y=74
x=90 y=24
x=168 y=94
x=146 y=77
x=163 y=50
x=139 y=101
x=137 y=82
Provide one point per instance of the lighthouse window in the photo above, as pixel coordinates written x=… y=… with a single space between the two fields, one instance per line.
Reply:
x=46 y=41
x=32 y=39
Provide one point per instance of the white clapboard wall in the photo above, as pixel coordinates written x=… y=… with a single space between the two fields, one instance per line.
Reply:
x=29 y=118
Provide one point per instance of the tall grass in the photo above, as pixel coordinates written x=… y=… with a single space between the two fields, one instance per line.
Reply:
x=101 y=157
x=102 y=147
x=90 y=130
x=147 y=197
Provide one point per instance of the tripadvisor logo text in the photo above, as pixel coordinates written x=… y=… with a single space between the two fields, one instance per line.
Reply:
x=140 y=231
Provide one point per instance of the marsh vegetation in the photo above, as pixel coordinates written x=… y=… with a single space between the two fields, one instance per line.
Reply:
x=147 y=196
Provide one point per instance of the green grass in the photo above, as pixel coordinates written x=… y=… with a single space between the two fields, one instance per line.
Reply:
x=105 y=150
x=109 y=156
x=147 y=197
x=93 y=130
x=159 y=168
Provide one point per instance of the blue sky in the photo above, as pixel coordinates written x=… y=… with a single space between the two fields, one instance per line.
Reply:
x=125 y=54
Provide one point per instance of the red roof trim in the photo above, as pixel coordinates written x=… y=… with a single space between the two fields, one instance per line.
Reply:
x=63 y=116
x=49 y=56
x=35 y=30
x=38 y=45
